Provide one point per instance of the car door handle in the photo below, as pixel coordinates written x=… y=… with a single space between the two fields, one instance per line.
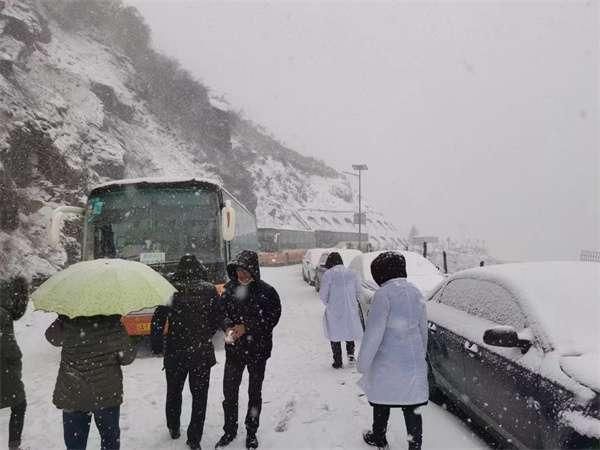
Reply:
x=472 y=348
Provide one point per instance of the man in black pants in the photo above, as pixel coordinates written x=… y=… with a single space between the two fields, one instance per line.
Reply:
x=252 y=309
x=193 y=318
x=412 y=420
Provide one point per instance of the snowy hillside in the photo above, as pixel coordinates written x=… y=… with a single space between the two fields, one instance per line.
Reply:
x=78 y=107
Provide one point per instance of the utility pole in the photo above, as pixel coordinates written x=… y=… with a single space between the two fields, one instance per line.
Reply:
x=360 y=168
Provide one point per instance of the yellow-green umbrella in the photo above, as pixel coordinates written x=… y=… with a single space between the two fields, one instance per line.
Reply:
x=103 y=287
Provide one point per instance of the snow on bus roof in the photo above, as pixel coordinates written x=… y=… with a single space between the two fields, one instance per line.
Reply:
x=156 y=180
x=163 y=180
x=560 y=298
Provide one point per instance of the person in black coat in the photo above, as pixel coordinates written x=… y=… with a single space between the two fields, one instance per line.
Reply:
x=193 y=318
x=14 y=295
x=252 y=310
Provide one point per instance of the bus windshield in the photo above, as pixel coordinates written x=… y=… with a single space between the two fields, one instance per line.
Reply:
x=153 y=225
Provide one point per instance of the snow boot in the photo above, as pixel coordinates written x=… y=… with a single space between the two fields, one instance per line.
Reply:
x=175 y=434
x=193 y=445
x=351 y=360
x=225 y=440
x=375 y=441
x=251 y=441
x=337 y=365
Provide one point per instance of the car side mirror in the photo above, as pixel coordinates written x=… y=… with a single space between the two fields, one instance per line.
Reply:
x=508 y=337
x=228 y=221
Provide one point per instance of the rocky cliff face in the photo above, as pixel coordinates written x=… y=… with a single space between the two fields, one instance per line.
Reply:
x=76 y=110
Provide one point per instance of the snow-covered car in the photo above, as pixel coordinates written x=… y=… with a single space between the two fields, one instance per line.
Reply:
x=347 y=255
x=518 y=347
x=421 y=272
x=310 y=262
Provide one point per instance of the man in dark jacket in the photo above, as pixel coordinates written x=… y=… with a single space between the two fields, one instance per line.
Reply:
x=90 y=380
x=13 y=303
x=252 y=309
x=193 y=319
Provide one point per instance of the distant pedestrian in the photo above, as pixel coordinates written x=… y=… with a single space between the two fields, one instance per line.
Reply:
x=392 y=354
x=13 y=304
x=193 y=318
x=90 y=380
x=252 y=310
x=340 y=289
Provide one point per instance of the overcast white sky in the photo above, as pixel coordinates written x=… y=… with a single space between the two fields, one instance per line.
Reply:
x=476 y=119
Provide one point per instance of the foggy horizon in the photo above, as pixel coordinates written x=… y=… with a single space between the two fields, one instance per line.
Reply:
x=476 y=120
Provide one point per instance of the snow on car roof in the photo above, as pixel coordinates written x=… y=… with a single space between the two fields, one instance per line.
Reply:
x=415 y=263
x=561 y=299
x=421 y=272
x=348 y=254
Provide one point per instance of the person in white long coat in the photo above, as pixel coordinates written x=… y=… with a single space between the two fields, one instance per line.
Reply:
x=339 y=292
x=392 y=354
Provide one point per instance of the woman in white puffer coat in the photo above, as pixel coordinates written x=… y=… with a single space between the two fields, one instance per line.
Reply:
x=339 y=292
x=392 y=354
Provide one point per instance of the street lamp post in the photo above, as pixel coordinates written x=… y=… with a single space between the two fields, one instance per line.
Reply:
x=359 y=168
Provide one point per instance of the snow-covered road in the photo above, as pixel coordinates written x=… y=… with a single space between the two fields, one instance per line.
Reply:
x=307 y=404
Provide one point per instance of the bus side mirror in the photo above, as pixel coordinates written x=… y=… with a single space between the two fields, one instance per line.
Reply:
x=57 y=221
x=228 y=221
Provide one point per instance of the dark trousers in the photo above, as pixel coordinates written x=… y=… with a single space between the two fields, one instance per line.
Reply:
x=76 y=425
x=15 y=425
x=413 y=421
x=232 y=377
x=199 y=380
x=336 y=347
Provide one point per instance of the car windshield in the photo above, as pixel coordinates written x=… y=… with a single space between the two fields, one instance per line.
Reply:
x=153 y=225
x=315 y=256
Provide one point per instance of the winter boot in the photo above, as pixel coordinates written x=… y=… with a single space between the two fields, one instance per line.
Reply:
x=193 y=445
x=251 y=441
x=351 y=360
x=375 y=441
x=175 y=433
x=225 y=440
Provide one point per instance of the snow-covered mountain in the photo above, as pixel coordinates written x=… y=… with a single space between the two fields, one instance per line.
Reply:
x=85 y=99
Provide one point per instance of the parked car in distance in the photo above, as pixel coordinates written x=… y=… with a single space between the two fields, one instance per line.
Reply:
x=310 y=262
x=517 y=346
x=347 y=255
x=421 y=272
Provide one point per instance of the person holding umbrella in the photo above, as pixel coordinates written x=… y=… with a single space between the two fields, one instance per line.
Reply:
x=13 y=304
x=193 y=319
x=90 y=298
x=339 y=292
x=392 y=354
